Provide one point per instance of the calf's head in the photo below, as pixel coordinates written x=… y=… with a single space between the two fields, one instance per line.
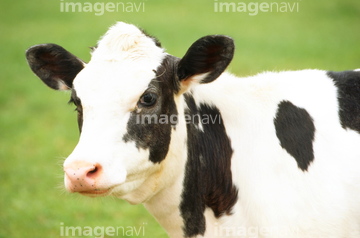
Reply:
x=129 y=85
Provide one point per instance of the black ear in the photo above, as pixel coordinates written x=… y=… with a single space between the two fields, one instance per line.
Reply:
x=207 y=58
x=54 y=65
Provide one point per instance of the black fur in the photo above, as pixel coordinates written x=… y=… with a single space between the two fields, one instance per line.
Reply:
x=146 y=127
x=54 y=65
x=210 y=54
x=295 y=130
x=208 y=179
x=348 y=84
x=77 y=102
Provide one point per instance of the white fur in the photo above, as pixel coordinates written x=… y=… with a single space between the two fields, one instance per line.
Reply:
x=276 y=199
x=274 y=195
x=109 y=88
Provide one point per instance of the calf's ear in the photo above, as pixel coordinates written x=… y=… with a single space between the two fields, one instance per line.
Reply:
x=54 y=65
x=205 y=60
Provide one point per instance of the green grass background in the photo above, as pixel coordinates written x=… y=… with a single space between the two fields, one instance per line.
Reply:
x=38 y=129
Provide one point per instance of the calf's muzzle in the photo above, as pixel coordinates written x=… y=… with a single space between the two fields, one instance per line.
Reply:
x=81 y=176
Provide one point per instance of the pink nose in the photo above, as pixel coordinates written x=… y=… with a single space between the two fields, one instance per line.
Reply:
x=81 y=176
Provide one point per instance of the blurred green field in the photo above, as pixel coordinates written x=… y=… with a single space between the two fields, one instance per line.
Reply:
x=38 y=129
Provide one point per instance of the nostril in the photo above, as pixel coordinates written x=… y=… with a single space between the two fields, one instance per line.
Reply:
x=82 y=176
x=94 y=172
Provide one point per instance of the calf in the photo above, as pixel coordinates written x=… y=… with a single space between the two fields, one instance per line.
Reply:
x=273 y=155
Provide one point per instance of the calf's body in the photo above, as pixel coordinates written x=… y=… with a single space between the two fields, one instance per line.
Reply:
x=210 y=154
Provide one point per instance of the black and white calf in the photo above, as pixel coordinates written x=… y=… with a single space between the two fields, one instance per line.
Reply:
x=209 y=154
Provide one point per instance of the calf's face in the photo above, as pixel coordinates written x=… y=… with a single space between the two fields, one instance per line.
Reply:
x=128 y=101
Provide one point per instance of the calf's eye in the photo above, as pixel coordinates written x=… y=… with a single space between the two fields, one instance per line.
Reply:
x=148 y=99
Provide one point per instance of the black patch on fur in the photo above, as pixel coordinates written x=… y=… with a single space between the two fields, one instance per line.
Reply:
x=348 y=84
x=53 y=64
x=210 y=54
x=151 y=127
x=77 y=102
x=295 y=130
x=208 y=179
